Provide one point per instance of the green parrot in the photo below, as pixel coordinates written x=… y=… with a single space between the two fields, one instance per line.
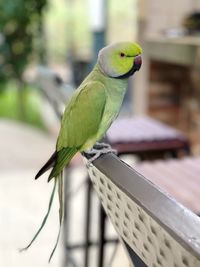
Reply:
x=91 y=111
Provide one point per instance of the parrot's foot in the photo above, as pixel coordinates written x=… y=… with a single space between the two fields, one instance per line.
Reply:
x=95 y=153
x=98 y=146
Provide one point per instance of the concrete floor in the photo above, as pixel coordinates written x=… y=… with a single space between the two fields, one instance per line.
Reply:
x=23 y=201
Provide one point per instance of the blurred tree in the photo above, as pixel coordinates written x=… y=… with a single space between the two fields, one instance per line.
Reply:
x=20 y=24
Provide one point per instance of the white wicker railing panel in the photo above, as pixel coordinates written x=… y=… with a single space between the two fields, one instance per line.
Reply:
x=153 y=244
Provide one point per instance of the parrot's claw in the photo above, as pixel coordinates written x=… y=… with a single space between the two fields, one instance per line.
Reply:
x=95 y=153
x=98 y=145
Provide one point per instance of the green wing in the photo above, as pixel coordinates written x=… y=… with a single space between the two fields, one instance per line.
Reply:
x=83 y=116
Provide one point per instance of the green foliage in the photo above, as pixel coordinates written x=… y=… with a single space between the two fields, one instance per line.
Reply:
x=19 y=24
x=9 y=106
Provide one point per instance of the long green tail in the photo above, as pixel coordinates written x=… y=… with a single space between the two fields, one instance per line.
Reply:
x=60 y=159
x=61 y=209
x=59 y=178
x=45 y=217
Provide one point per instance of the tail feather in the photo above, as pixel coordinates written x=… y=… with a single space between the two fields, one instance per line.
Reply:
x=58 y=160
x=61 y=209
x=63 y=158
x=50 y=163
x=45 y=218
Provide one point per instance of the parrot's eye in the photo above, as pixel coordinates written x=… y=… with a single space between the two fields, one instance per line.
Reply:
x=122 y=55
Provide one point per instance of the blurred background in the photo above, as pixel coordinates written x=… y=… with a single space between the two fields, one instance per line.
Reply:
x=47 y=47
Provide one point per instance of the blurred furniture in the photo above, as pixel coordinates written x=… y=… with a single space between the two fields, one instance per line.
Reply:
x=154 y=229
x=177 y=177
x=146 y=138
x=170 y=91
x=182 y=51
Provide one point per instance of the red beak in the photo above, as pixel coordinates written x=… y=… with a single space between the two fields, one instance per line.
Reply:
x=137 y=62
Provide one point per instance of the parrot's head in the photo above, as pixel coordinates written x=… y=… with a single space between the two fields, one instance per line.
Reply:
x=120 y=60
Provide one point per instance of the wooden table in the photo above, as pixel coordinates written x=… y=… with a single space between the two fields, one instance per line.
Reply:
x=147 y=138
